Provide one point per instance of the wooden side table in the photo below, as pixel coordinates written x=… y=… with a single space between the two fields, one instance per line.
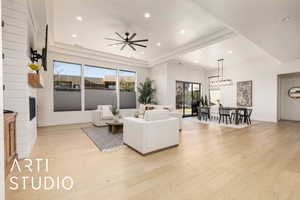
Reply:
x=115 y=127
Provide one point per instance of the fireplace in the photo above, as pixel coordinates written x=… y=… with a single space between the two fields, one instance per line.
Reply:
x=32 y=108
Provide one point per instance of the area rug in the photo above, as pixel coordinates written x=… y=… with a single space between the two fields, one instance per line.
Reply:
x=103 y=139
x=214 y=122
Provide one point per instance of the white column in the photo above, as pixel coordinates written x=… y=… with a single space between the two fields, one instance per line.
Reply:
x=82 y=87
x=117 y=89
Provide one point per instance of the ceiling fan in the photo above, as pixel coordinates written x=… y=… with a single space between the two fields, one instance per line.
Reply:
x=127 y=40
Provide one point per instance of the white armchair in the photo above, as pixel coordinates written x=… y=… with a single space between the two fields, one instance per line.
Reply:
x=173 y=112
x=102 y=115
x=158 y=130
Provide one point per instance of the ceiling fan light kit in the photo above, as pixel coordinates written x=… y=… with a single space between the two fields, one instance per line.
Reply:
x=127 y=40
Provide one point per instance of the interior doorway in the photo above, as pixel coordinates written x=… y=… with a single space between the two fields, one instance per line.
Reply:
x=289 y=97
x=187 y=98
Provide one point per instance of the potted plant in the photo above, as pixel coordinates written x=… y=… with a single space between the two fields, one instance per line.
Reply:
x=147 y=92
x=205 y=101
x=115 y=111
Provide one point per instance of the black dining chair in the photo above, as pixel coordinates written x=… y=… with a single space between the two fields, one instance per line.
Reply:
x=224 y=115
x=204 y=113
x=245 y=116
x=248 y=116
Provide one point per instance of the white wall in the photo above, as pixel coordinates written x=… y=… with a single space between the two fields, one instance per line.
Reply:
x=165 y=77
x=289 y=108
x=184 y=72
x=17 y=39
x=263 y=71
x=159 y=74
x=2 y=181
x=46 y=115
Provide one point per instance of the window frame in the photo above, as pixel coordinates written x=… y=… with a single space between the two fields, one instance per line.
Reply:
x=83 y=77
x=135 y=87
x=82 y=83
x=53 y=80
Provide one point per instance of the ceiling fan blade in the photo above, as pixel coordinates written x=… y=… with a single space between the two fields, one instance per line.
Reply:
x=132 y=36
x=116 y=43
x=123 y=46
x=114 y=39
x=146 y=40
x=118 y=34
x=132 y=47
x=138 y=45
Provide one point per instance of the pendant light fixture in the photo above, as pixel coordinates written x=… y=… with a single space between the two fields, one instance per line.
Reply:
x=221 y=81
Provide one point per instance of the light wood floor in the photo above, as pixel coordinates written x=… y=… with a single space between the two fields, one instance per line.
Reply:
x=211 y=163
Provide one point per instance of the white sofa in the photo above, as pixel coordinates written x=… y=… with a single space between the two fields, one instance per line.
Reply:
x=158 y=130
x=173 y=112
x=102 y=115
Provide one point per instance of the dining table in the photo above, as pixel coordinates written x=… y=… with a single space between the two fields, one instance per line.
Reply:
x=236 y=110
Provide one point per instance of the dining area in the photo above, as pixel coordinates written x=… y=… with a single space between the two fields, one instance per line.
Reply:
x=225 y=114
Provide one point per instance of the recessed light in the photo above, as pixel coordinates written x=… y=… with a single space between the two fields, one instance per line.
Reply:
x=196 y=61
x=74 y=35
x=147 y=15
x=79 y=18
x=158 y=44
x=182 y=31
x=230 y=52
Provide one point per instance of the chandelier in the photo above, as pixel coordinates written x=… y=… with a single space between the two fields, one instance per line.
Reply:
x=221 y=81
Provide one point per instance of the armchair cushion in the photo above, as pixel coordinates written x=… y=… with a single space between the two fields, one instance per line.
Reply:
x=102 y=115
x=154 y=115
x=107 y=114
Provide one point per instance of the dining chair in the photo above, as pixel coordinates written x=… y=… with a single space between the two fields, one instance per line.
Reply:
x=245 y=116
x=248 y=116
x=204 y=113
x=224 y=115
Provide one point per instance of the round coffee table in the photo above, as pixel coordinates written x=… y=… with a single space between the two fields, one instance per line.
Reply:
x=115 y=127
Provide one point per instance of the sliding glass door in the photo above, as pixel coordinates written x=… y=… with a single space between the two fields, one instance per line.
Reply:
x=187 y=98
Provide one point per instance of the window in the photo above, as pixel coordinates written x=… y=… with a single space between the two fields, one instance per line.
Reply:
x=67 y=86
x=100 y=87
x=214 y=92
x=127 y=86
x=187 y=98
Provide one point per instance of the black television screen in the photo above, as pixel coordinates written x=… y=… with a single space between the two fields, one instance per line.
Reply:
x=45 y=49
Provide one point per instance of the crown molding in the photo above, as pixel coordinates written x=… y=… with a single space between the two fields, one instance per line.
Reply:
x=200 y=43
x=75 y=50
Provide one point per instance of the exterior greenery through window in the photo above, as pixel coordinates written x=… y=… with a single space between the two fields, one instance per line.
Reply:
x=100 y=87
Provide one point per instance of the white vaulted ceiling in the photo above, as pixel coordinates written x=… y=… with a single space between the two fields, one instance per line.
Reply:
x=235 y=51
x=273 y=25
x=102 y=18
x=261 y=28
